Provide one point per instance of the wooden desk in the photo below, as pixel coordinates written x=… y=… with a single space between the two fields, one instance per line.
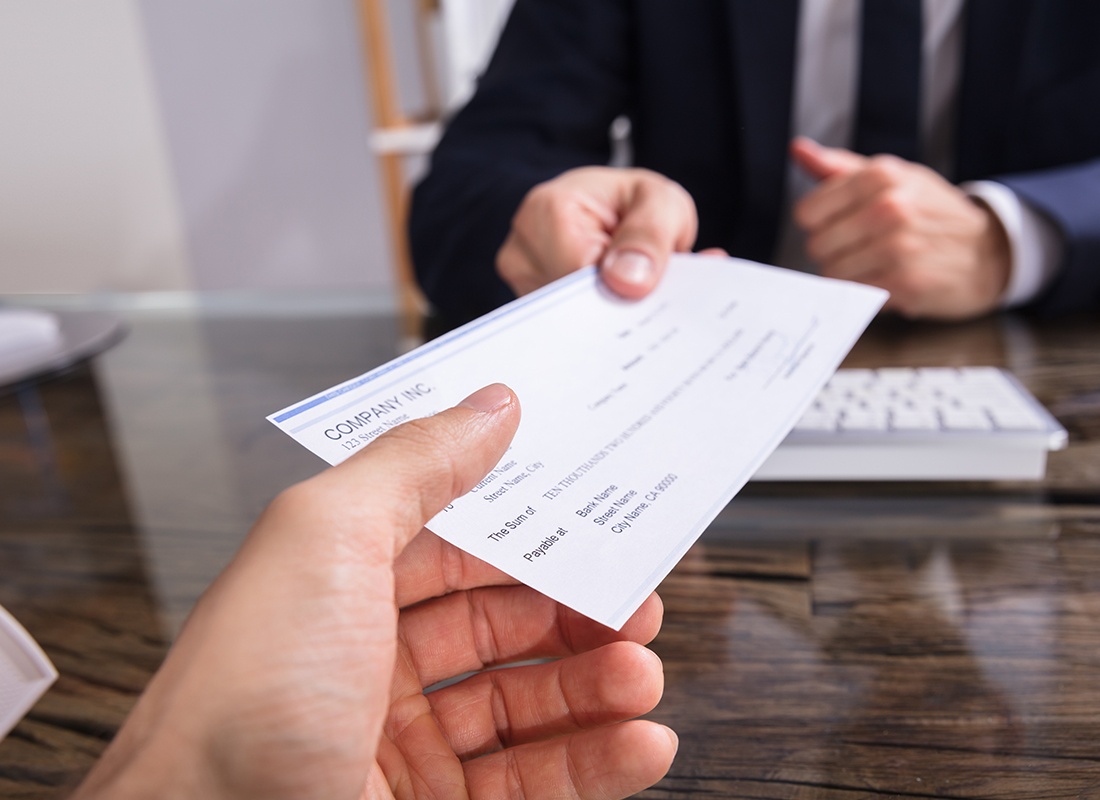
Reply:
x=857 y=640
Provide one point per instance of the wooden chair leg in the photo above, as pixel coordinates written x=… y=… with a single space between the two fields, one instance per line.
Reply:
x=411 y=303
x=382 y=80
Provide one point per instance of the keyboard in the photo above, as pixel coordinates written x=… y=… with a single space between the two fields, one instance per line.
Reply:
x=970 y=423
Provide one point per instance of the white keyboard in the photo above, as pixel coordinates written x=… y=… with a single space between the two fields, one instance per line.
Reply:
x=973 y=423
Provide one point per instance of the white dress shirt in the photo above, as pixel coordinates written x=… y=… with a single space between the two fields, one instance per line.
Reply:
x=824 y=102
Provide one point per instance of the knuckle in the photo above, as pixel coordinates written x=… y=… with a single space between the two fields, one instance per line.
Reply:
x=906 y=249
x=436 y=449
x=313 y=505
x=508 y=263
x=650 y=183
x=892 y=208
x=542 y=200
x=669 y=207
x=422 y=438
x=886 y=167
x=294 y=501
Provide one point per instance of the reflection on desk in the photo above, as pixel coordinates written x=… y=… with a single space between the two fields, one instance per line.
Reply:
x=35 y=343
x=839 y=641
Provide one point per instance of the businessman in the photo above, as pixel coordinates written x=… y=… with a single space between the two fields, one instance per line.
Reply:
x=947 y=151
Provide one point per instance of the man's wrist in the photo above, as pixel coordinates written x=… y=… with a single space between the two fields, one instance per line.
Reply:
x=994 y=254
x=1035 y=243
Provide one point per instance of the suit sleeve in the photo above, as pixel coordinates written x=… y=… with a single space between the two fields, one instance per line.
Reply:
x=1070 y=197
x=558 y=78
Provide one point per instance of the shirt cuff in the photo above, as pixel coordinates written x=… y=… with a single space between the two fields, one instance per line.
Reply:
x=1034 y=241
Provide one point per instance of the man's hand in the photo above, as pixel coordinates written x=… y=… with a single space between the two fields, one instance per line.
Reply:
x=899 y=225
x=627 y=221
x=302 y=671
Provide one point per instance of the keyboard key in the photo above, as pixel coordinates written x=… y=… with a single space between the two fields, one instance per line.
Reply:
x=915 y=420
x=816 y=421
x=896 y=377
x=1016 y=421
x=851 y=379
x=961 y=419
x=938 y=376
x=864 y=420
x=973 y=376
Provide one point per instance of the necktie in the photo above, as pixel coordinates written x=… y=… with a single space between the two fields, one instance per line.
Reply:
x=888 y=104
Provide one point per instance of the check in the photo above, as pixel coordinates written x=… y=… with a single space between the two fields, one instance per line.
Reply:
x=641 y=419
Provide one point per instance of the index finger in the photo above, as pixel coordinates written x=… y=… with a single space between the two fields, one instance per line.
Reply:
x=841 y=195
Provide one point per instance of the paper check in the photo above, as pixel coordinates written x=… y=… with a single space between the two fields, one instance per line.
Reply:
x=641 y=419
x=25 y=672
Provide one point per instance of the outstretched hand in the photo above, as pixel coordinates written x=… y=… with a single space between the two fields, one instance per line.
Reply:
x=303 y=670
x=626 y=221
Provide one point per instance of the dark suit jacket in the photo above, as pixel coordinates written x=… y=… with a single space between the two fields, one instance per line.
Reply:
x=707 y=85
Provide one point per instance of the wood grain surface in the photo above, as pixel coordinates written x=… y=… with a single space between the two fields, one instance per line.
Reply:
x=820 y=641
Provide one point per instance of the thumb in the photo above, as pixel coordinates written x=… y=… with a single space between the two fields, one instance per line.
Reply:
x=657 y=217
x=821 y=162
x=410 y=473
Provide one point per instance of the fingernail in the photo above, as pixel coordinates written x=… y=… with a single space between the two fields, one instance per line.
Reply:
x=630 y=266
x=488 y=399
x=672 y=735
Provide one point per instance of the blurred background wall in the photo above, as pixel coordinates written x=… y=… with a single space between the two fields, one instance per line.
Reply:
x=178 y=144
